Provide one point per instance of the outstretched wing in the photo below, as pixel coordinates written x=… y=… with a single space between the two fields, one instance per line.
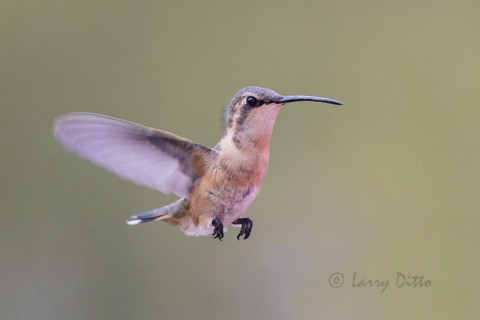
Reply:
x=150 y=157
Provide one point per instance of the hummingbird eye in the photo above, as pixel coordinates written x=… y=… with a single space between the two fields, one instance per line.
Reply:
x=254 y=102
x=251 y=101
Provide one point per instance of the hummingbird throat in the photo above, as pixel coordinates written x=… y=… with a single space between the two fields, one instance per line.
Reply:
x=252 y=129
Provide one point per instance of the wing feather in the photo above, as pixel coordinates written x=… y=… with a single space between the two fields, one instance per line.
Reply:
x=150 y=157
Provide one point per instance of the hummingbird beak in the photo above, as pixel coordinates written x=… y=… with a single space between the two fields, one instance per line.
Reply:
x=288 y=99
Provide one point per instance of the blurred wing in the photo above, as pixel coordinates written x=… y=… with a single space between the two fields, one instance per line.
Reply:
x=146 y=156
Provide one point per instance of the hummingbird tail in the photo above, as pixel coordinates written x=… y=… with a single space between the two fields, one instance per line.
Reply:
x=168 y=213
x=133 y=220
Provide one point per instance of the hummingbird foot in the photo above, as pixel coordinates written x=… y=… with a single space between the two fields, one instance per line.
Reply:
x=218 y=231
x=247 y=225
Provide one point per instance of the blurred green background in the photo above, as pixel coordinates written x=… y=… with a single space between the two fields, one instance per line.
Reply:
x=389 y=183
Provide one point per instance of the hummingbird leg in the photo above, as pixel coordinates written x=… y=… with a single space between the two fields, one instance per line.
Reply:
x=218 y=231
x=247 y=225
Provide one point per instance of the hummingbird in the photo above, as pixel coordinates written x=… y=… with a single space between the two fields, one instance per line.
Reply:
x=215 y=185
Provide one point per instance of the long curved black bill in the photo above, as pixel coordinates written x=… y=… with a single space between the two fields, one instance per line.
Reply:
x=288 y=99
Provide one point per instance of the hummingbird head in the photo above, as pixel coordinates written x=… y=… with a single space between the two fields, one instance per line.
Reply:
x=253 y=110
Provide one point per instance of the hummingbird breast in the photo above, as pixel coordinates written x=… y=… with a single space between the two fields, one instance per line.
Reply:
x=238 y=181
x=228 y=187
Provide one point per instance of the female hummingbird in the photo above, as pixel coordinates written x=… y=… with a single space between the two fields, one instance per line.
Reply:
x=215 y=186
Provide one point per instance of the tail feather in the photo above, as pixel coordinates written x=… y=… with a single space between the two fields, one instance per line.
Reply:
x=169 y=213
x=133 y=220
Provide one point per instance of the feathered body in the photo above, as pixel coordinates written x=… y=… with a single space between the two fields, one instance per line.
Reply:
x=215 y=186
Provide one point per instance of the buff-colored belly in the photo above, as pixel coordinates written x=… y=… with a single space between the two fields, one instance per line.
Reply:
x=199 y=220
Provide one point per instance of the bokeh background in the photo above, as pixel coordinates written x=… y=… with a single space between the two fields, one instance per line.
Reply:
x=389 y=183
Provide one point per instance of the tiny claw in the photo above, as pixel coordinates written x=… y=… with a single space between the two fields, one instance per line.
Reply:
x=240 y=234
x=246 y=229
x=218 y=230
